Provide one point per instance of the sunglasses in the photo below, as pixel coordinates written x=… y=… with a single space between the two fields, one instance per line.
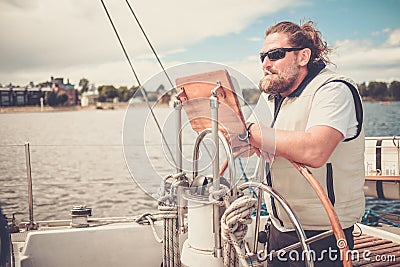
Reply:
x=278 y=53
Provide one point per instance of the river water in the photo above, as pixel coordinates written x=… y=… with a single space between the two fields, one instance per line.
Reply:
x=77 y=158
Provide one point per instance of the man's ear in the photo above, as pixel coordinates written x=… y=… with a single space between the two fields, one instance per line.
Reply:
x=304 y=56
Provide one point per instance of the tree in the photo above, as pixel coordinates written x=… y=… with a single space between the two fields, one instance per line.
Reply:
x=61 y=98
x=394 y=89
x=137 y=92
x=378 y=90
x=55 y=99
x=124 y=94
x=107 y=93
x=362 y=88
x=160 y=90
x=51 y=99
x=84 y=84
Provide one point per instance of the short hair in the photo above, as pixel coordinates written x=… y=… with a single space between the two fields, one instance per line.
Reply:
x=305 y=35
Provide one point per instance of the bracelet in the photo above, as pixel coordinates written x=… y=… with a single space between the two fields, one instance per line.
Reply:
x=246 y=136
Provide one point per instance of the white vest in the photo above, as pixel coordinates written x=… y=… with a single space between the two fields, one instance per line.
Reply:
x=344 y=169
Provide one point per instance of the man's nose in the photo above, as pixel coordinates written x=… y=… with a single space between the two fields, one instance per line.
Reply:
x=266 y=64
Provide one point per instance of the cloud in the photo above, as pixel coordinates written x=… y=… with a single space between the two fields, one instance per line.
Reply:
x=383 y=31
x=56 y=36
x=73 y=39
x=394 y=38
x=364 y=61
x=255 y=39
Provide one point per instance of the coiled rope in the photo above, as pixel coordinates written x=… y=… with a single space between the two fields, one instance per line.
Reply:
x=234 y=225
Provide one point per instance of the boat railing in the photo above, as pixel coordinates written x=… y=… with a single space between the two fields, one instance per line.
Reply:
x=42 y=182
x=50 y=179
x=382 y=157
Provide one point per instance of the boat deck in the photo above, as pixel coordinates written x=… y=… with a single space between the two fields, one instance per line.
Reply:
x=375 y=251
x=374 y=246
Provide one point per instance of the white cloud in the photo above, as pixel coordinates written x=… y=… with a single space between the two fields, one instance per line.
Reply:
x=45 y=37
x=364 y=61
x=394 y=38
x=255 y=39
x=73 y=39
x=376 y=33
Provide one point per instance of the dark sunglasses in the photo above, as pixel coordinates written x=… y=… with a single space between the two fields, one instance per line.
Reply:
x=278 y=53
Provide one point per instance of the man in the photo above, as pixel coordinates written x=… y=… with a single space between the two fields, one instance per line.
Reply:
x=317 y=121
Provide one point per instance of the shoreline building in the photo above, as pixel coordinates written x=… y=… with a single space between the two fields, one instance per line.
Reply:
x=30 y=95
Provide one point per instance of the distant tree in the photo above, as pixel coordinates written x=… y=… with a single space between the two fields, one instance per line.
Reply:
x=133 y=91
x=378 y=90
x=362 y=88
x=84 y=84
x=51 y=99
x=62 y=99
x=394 y=89
x=152 y=96
x=124 y=94
x=107 y=93
x=137 y=92
x=161 y=89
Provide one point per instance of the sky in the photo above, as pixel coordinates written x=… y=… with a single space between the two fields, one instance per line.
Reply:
x=73 y=39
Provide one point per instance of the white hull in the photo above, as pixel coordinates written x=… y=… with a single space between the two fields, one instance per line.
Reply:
x=121 y=244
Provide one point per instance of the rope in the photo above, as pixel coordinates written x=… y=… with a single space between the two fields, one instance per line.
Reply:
x=171 y=252
x=141 y=88
x=216 y=195
x=148 y=217
x=151 y=46
x=234 y=225
x=246 y=179
x=263 y=211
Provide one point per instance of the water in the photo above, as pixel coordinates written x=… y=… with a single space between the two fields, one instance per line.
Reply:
x=77 y=158
x=382 y=118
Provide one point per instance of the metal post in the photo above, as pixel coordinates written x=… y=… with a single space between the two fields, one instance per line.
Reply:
x=178 y=117
x=179 y=166
x=214 y=135
x=259 y=177
x=257 y=225
x=31 y=225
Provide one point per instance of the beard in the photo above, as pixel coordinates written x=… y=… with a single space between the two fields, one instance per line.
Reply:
x=279 y=82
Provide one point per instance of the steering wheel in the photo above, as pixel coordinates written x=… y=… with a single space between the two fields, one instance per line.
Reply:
x=334 y=220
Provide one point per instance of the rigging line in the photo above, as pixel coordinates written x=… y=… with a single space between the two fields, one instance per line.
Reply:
x=151 y=46
x=158 y=59
x=144 y=93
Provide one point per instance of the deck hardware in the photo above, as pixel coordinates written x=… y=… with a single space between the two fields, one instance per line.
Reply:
x=79 y=216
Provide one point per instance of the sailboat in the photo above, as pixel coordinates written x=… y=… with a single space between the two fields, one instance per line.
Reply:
x=195 y=225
